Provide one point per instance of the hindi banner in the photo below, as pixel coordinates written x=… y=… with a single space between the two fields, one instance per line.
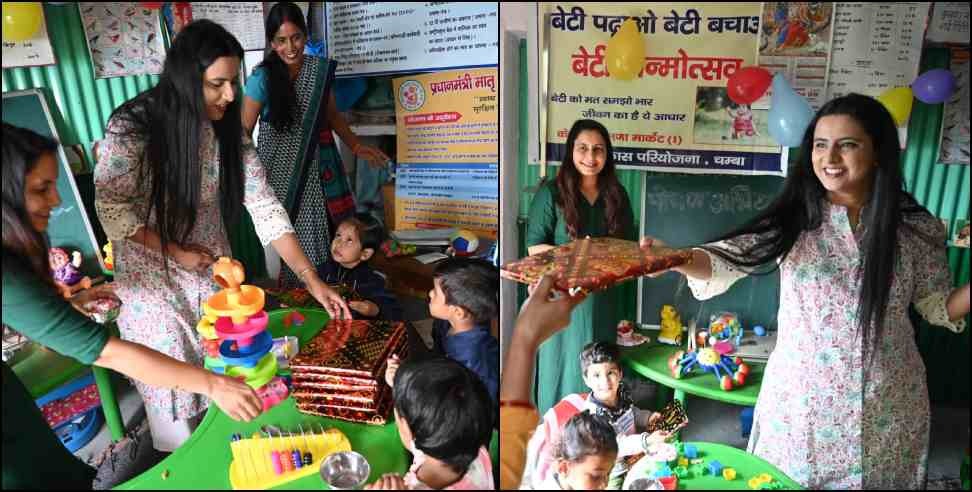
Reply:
x=448 y=161
x=675 y=116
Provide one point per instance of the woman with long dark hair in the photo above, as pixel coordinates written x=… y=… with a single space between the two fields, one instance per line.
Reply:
x=586 y=199
x=844 y=401
x=33 y=456
x=173 y=172
x=291 y=95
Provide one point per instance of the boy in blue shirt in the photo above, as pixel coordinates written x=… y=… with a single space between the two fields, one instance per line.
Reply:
x=464 y=302
x=355 y=242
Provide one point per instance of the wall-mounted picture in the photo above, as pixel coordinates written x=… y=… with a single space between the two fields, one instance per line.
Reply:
x=961 y=237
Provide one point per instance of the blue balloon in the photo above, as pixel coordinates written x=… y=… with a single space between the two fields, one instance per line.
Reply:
x=789 y=114
x=934 y=86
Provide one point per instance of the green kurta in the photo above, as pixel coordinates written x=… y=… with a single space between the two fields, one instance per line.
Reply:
x=33 y=457
x=596 y=319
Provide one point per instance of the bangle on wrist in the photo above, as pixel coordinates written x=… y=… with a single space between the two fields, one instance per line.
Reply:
x=304 y=272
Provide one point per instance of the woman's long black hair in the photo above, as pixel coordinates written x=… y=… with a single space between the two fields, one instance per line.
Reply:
x=568 y=182
x=24 y=248
x=799 y=208
x=170 y=118
x=279 y=86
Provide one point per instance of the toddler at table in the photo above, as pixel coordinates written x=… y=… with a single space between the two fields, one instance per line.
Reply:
x=355 y=242
x=585 y=454
x=600 y=365
x=445 y=419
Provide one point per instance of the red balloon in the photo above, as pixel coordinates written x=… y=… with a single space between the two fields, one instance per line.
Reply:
x=152 y=5
x=748 y=84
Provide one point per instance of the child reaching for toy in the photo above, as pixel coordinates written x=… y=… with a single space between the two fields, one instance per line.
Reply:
x=601 y=369
x=445 y=419
x=584 y=455
x=355 y=242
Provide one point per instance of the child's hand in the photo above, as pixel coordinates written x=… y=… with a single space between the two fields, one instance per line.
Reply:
x=366 y=308
x=388 y=481
x=653 y=418
x=390 y=369
x=659 y=437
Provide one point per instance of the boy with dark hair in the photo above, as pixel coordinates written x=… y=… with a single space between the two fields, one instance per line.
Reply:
x=464 y=301
x=445 y=419
x=601 y=367
x=355 y=242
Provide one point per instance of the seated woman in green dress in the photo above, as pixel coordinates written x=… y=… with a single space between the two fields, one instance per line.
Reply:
x=585 y=199
x=32 y=454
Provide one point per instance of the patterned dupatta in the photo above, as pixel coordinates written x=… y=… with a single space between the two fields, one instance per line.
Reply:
x=299 y=147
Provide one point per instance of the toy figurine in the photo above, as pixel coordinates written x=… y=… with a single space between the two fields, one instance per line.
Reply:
x=66 y=274
x=109 y=257
x=671 y=326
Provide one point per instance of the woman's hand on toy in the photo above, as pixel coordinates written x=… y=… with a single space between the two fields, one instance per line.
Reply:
x=366 y=308
x=235 y=398
x=388 y=481
x=391 y=367
x=335 y=305
x=375 y=157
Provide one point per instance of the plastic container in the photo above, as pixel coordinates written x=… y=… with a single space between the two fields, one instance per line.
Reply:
x=746 y=420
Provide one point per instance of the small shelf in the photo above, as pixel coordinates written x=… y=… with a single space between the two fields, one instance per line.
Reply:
x=366 y=130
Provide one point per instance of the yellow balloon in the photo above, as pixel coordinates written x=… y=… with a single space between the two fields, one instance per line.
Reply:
x=625 y=55
x=21 y=20
x=898 y=101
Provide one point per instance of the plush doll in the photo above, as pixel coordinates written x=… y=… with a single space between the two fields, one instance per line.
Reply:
x=66 y=274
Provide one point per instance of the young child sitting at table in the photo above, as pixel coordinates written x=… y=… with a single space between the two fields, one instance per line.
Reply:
x=585 y=454
x=464 y=301
x=355 y=242
x=445 y=419
x=600 y=365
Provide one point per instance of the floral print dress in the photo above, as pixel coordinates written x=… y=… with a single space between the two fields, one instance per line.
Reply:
x=824 y=416
x=155 y=313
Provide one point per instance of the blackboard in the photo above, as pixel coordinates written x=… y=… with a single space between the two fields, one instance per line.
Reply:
x=69 y=226
x=688 y=210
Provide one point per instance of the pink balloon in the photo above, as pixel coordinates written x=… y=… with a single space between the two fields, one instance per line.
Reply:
x=748 y=84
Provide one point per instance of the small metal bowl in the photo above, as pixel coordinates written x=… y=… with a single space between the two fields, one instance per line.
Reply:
x=345 y=470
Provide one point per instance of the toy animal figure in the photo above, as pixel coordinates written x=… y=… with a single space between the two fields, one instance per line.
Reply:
x=671 y=326
x=66 y=274
x=109 y=257
x=730 y=372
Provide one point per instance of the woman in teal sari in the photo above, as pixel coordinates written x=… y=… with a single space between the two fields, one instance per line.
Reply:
x=291 y=95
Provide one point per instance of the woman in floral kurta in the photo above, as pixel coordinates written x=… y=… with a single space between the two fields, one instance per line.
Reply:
x=827 y=416
x=163 y=303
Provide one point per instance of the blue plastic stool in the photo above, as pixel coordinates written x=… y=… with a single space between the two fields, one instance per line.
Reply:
x=746 y=420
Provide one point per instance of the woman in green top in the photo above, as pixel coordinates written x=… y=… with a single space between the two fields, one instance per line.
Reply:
x=33 y=457
x=291 y=94
x=586 y=199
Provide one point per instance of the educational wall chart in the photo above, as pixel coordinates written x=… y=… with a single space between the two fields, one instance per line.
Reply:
x=795 y=41
x=448 y=165
x=949 y=23
x=675 y=116
x=243 y=19
x=954 y=145
x=372 y=38
x=123 y=38
x=876 y=46
x=32 y=52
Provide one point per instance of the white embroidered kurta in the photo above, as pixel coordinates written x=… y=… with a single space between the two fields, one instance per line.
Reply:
x=822 y=417
x=155 y=313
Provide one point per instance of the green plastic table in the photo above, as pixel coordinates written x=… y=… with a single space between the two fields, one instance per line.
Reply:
x=651 y=361
x=746 y=465
x=203 y=461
